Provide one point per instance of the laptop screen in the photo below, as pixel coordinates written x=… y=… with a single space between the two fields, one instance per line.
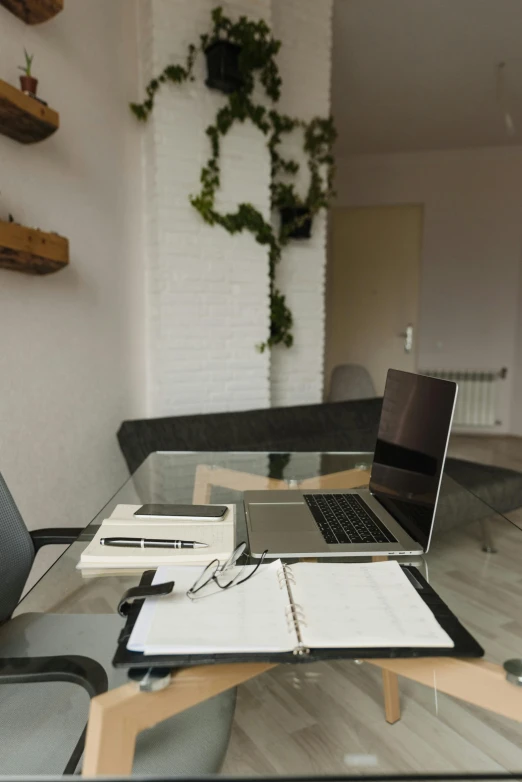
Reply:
x=411 y=449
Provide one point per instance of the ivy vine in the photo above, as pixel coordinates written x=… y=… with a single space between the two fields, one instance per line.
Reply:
x=257 y=53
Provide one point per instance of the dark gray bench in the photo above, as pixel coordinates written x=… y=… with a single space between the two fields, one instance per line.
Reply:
x=338 y=426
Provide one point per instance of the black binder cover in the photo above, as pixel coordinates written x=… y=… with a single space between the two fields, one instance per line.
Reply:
x=465 y=644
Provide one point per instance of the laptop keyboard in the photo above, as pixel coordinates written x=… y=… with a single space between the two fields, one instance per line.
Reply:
x=345 y=518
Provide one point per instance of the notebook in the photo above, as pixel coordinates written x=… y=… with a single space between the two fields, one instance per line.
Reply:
x=289 y=609
x=219 y=534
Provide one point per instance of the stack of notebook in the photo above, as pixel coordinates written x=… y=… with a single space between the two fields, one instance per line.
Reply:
x=97 y=559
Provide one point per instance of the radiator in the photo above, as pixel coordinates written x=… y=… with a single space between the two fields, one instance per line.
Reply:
x=477 y=400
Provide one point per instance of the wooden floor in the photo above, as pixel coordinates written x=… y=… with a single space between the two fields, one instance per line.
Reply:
x=328 y=718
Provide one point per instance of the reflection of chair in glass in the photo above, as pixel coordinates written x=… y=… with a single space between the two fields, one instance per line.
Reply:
x=44 y=657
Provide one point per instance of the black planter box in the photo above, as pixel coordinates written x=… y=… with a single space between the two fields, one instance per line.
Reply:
x=290 y=214
x=223 y=66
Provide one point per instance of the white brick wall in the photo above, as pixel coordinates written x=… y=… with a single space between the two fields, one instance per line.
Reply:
x=207 y=293
x=304 y=27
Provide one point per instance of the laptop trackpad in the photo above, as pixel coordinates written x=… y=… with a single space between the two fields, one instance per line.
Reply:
x=284 y=528
x=282 y=516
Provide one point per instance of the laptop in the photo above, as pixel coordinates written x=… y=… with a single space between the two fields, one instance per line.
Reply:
x=395 y=514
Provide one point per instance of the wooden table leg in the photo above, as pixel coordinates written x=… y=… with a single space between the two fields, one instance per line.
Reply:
x=117 y=716
x=475 y=681
x=390 y=681
x=202 y=485
x=392 y=701
x=207 y=476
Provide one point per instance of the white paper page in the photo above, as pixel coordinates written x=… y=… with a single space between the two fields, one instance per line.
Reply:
x=246 y=618
x=363 y=605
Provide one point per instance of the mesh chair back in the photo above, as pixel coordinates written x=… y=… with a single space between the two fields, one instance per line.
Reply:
x=16 y=553
x=350 y=381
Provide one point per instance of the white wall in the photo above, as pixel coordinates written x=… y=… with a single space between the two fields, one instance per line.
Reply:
x=305 y=29
x=469 y=298
x=71 y=344
x=207 y=292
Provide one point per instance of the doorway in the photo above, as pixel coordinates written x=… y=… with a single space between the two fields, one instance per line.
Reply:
x=372 y=290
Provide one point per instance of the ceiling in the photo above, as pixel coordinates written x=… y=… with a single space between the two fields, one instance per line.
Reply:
x=422 y=74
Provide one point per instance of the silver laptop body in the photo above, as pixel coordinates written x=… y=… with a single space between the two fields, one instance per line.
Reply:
x=411 y=448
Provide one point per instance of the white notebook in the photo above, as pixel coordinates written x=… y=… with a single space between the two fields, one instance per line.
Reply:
x=290 y=609
x=219 y=534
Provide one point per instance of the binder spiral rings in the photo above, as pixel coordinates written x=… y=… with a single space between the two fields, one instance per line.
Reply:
x=294 y=612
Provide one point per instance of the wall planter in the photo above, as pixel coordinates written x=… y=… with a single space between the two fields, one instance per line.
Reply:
x=23 y=118
x=33 y=11
x=30 y=250
x=223 y=66
x=300 y=218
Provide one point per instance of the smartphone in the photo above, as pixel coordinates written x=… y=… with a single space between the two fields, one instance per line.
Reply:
x=159 y=510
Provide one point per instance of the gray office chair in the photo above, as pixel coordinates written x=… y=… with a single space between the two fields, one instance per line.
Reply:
x=350 y=381
x=52 y=664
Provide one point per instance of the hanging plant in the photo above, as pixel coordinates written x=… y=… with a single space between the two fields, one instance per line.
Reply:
x=237 y=53
x=223 y=66
x=177 y=74
x=297 y=213
x=296 y=222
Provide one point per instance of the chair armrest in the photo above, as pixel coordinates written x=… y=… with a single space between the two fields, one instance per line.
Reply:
x=54 y=535
x=84 y=671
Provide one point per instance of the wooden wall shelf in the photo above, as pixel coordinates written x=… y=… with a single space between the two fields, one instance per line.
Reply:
x=25 y=119
x=31 y=251
x=33 y=11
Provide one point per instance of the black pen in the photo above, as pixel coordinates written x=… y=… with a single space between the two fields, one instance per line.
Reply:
x=151 y=543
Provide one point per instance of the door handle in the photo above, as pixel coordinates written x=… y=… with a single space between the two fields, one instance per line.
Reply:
x=408 y=338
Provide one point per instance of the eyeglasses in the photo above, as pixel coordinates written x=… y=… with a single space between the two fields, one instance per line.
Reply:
x=214 y=573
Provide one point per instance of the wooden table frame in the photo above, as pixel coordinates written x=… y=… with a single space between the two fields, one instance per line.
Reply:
x=117 y=717
x=208 y=476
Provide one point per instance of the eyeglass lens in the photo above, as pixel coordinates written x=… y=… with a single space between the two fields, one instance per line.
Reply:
x=206 y=576
x=238 y=579
x=213 y=572
x=233 y=558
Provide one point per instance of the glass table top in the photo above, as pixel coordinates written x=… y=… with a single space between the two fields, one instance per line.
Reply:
x=328 y=717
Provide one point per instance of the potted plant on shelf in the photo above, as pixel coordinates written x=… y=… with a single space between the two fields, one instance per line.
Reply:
x=28 y=83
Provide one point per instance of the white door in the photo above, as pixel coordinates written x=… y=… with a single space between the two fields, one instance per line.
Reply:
x=372 y=289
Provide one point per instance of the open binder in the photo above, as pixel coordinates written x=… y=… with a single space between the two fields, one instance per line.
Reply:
x=304 y=627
